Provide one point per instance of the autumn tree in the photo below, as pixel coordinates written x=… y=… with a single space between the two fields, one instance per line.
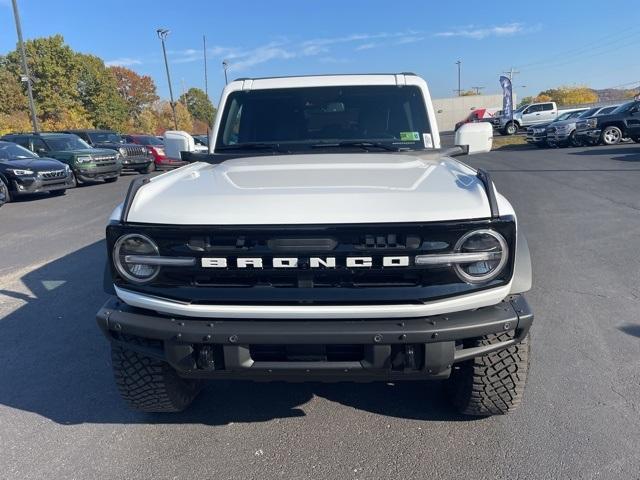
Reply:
x=165 y=116
x=570 y=95
x=198 y=105
x=138 y=91
x=98 y=91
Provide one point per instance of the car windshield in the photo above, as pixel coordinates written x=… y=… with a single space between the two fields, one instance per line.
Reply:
x=66 y=142
x=11 y=151
x=606 y=111
x=105 y=137
x=625 y=107
x=588 y=113
x=565 y=116
x=149 y=140
x=521 y=108
x=383 y=117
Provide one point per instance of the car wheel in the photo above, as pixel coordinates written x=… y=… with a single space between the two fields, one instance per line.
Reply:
x=149 y=168
x=58 y=193
x=511 y=128
x=5 y=194
x=148 y=384
x=111 y=180
x=573 y=141
x=74 y=180
x=611 y=135
x=492 y=384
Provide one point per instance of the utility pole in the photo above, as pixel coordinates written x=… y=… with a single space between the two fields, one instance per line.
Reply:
x=162 y=35
x=225 y=66
x=459 y=63
x=26 y=76
x=206 y=81
x=477 y=89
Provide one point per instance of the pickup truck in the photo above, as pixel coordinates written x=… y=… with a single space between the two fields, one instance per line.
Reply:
x=537 y=134
x=563 y=133
x=327 y=237
x=527 y=115
x=611 y=129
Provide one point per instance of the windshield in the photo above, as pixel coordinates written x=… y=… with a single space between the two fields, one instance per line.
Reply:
x=66 y=142
x=305 y=118
x=606 y=111
x=149 y=140
x=105 y=137
x=11 y=151
x=521 y=108
x=625 y=107
x=589 y=112
x=566 y=116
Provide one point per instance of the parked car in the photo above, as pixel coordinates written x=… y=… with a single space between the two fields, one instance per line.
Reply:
x=202 y=140
x=563 y=134
x=537 y=135
x=155 y=146
x=478 y=115
x=133 y=157
x=527 y=115
x=611 y=129
x=349 y=246
x=86 y=163
x=23 y=172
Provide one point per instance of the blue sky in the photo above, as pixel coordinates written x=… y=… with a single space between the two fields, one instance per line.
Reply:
x=552 y=43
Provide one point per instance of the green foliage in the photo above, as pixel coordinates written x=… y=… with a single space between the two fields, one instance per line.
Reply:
x=76 y=90
x=570 y=95
x=525 y=101
x=198 y=105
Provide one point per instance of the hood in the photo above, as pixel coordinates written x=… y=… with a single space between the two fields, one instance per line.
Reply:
x=562 y=123
x=36 y=164
x=314 y=189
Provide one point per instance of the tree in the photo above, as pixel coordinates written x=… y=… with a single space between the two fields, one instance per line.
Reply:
x=98 y=91
x=525 y=101
x=543 y=98
x=54 y=66
x=165 y=116
x=468 y=93
x=199 y=106
x=571 y=95
x=138 y=91
x=12 y=97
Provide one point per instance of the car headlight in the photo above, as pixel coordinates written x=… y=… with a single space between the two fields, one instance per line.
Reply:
x=118 y=156
x=125 y=252
x=18 y=171
x=83 y=159
x=492 y=251
x=592 y=122
x=122 y=151
x=66 y=168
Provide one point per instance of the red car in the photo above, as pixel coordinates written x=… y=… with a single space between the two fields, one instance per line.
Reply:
x=478 y=115
x=156 y=148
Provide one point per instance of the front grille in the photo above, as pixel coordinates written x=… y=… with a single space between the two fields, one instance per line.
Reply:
x=53 y=174
x=133 y=151
x=303 y=283
x=104 y=158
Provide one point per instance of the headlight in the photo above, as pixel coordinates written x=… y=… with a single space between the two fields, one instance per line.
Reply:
x=125 y=251
x=492 y=251
x=66 y=168
x=83 y=159
x=17 y=171
x=592 y=122
x=122 y=151
x=118 y=156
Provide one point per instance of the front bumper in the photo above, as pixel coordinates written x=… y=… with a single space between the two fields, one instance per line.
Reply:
x=558 y=137
x=98 y=172
x=385 y=349
x=590 y=134
x=36 y=184
x=138 y=162
x=537 y=138
x=169 y=163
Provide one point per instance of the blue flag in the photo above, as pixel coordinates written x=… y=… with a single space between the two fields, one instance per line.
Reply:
x=507 y=96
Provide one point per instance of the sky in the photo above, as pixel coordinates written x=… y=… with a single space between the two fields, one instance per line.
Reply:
x=551 y=43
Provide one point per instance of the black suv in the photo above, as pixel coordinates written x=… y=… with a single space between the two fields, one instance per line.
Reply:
x=611 y=129
x=133 y=157
x=23 y=172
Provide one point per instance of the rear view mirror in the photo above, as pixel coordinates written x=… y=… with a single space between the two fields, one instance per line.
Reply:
x=475 y=137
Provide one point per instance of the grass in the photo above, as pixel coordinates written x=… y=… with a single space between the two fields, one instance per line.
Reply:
x=504 y=141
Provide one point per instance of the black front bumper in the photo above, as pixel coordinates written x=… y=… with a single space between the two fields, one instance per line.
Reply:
x=36 y=184
x=391 y=349
x=139 y=162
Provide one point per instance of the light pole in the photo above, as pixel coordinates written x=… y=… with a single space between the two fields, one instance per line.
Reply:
x=162 y=35
x=206 y=80
x=459 y=63
x=26 y=76
x=225 y=65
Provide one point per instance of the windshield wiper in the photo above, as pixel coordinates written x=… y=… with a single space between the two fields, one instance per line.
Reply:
x=359 y=144
x=252 y=146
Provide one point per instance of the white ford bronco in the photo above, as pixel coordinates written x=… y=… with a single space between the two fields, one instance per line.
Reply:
x=327 y=236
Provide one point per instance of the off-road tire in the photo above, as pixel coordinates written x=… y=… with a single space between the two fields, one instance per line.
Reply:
x=149 y=168
x=493 y=384
x=111 y=180
x=150 y=385
x=511 y=128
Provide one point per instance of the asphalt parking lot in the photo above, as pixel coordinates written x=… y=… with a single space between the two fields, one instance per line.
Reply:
x=61 y=416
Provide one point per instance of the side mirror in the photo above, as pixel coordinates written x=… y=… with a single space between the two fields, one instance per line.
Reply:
x=40 y=151
x=475 y=137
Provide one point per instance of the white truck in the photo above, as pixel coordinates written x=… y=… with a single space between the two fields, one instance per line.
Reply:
x=526 y=116
x=327 y=237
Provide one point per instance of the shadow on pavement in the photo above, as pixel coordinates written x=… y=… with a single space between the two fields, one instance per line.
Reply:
x=55 y=363
x=624 y=154
x=631 y=329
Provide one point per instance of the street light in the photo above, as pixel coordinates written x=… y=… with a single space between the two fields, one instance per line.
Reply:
x=162 y=35
x=225 y=66
x=26 y=76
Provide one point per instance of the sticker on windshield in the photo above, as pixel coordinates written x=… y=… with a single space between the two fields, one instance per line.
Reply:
x=428 y=140
x=409 y=136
